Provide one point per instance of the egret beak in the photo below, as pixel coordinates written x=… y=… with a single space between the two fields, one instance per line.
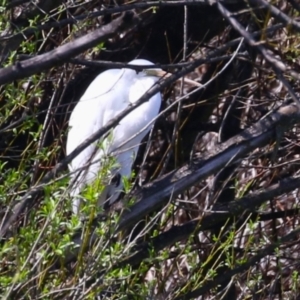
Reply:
x=156 y=73
x=161 y=73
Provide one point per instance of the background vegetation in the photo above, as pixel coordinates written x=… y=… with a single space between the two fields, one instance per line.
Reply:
x=217 y=216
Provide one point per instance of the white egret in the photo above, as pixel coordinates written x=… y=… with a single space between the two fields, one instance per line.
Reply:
x=110 y=93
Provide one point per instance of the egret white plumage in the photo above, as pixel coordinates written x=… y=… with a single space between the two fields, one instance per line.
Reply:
x=110 y=93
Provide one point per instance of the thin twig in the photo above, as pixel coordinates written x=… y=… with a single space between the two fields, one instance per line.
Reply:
x=277 y=13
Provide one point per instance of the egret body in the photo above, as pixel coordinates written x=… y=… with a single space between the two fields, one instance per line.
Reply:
x=109 y=94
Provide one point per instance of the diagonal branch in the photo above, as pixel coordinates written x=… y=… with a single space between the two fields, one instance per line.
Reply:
x=234 y=208
x=260 y=134
x=60 y=55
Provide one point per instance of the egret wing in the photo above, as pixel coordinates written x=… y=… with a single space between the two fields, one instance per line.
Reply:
x=88 y=117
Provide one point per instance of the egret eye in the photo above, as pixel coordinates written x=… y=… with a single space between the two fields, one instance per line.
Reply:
x=107 y=96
